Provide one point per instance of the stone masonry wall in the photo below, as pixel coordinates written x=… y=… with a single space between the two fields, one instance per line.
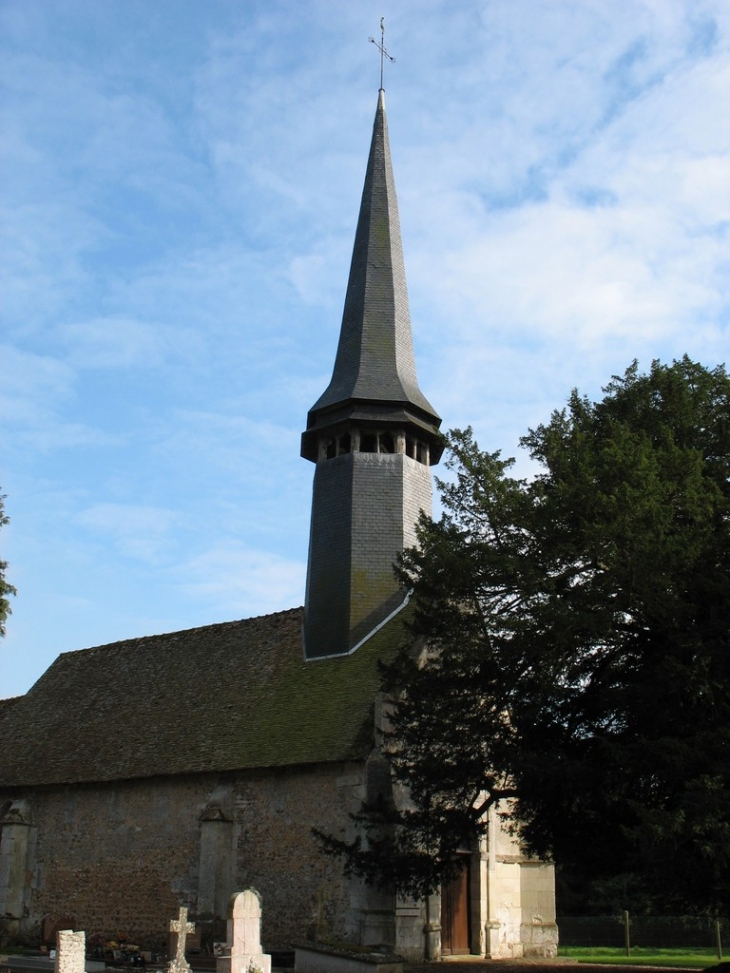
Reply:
x=122 y=857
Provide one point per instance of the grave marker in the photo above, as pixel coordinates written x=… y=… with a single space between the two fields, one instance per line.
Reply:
x=182 y=927
x=243 y=947
x=70 y=952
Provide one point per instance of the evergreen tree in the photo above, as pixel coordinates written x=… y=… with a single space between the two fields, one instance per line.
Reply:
x=6 y=589
x=576 y=670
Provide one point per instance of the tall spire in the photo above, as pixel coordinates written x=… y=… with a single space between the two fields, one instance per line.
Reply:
x=373 y=435
x=375 y=372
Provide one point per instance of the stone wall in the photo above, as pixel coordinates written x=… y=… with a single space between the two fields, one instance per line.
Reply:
x=122 y=857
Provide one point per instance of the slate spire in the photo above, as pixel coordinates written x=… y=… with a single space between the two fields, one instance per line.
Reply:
x=372 y=434
x=374 y=377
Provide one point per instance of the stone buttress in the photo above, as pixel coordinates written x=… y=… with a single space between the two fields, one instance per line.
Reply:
x=372 y=434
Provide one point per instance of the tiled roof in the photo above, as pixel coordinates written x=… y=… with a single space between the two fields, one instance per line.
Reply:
x=5 y=704
x=222 y=697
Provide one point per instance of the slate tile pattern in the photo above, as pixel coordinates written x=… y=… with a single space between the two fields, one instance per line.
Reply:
x=374 y=377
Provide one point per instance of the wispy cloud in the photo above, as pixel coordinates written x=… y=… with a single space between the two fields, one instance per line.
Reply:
x=180 y=185
x=240 y=581
x=119 y=342
x=137 y=532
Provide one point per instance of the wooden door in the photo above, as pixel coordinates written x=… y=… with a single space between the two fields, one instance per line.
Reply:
x=455 y=914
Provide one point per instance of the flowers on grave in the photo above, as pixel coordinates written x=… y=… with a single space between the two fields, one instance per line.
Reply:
x=121 y=945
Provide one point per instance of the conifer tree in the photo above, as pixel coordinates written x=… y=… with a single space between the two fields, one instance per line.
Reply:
x=6 y=589
x=576 y=673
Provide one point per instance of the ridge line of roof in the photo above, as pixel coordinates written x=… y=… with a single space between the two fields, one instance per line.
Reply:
x=180 y=631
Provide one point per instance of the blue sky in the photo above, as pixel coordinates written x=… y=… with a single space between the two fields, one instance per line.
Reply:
x=180 y=183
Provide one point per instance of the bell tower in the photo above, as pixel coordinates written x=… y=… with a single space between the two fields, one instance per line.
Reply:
x=372 y=434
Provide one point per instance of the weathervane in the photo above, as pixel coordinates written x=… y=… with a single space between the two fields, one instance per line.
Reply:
x=381 y=48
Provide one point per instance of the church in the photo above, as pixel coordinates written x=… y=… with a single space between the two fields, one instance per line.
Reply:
x=174 y=770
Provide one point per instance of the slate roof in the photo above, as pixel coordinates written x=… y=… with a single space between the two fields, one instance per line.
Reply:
x=5 y=704
x=375 y=364
x=223 y=697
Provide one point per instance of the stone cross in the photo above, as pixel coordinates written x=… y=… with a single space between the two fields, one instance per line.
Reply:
x=182 y=927
x=243 y=948
x=70 y=952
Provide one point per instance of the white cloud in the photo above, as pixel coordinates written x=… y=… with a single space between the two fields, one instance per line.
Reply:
x=139 y=532
x=32 y=384
x=626 y=248
x=118 y=341
x=112 y=342
x=240 y=581
x=35 y=393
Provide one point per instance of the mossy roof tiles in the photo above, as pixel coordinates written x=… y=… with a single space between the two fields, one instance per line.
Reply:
x=223 y=697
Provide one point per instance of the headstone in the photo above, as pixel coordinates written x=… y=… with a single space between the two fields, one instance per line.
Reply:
x=178 y=964
x=193 y=940
x=243 y=947
x=70 y=952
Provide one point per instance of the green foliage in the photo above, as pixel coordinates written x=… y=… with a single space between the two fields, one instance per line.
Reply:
x=577 y=628
x=682 y=959
x=6 y=589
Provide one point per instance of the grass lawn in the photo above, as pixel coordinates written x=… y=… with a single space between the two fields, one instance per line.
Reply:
x=642 y=956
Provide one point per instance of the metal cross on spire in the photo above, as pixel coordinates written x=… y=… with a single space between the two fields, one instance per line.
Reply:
x=381 y=48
